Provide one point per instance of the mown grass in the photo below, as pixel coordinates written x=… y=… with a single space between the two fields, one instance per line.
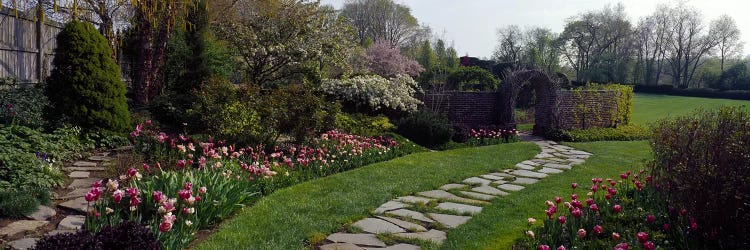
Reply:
x=502 y=222
x=291 y=217
x=648 y=108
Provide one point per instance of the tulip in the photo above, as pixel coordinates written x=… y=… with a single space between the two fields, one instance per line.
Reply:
x=181 y=164
x=648 y=245
x=90 y=197
x=561 y=219
x=558 y=199
x=598 y=229
x=574 y=185
x=650 y=218
x=616 y=236
x=132 y=172
x=589 y=201
x=530 y=234
x=594 y=188
x=581 y=233
x=544 y=247
x=683 y=212
x=617 y=208
x=561 y=248
x=531 y=220
x=117 y=196
x=577 y=213
x=594 y=208
x=621 y=246
x=188 y=186
x=666 y=227
x=165 y=227
x=642 y=236
x=573 y=196
x=202 y=190
x=158 y=196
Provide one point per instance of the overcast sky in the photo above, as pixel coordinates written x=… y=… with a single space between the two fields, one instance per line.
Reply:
x=472 y=24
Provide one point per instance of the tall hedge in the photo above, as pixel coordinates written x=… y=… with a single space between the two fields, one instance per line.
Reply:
x=85 y=88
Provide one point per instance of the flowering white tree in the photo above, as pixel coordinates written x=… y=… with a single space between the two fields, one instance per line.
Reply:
x=375 y=91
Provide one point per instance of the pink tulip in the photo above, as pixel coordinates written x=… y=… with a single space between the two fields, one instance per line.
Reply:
x=561 y=219
x=181 y=164
x=117 y=196
x=188 y=186
x=577 y=213
x=558 y=199
x=132 y=172
x=594 y=208
x=573 y=196
x=561 y=248
x=617 y=208
x=581 y=233
x=544 y=247
x=642 y=236
x=621 y=246
x=666 y=227
x=165 y=227
x=574 y=185
x=598 y=229
x=90 y=197
x=648 y=245
x=158 y=196
x=589 y=201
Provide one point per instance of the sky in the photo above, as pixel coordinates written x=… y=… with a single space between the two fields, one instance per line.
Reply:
x=472 y=24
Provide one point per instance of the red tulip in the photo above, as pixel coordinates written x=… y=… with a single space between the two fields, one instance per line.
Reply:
x=648 y=245
x=621 y=246
x=683 y=212
x=544 y=247
x=594 y=208
x=577 y=213
x=650 y=218
x=117 y=196
x=573 y=196
x=616 y=236
x=561 y=219
x=598 y=229
x=589 y=201
x=642 y=236
x=165 y=227
x=561 y=248
x=594 y=188
x=666 y=227
x=574 y=185
x=558 y=199
x=617 y=208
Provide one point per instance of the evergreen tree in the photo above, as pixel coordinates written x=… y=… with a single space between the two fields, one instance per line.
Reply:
x=85 y=88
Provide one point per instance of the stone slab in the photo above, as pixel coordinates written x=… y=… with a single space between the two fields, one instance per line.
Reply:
x=501 y=174
x=578 y=152
x=20 y=227
x=511 y=187
x=550 y=171
x=492 y=177
x=411 y=214
x=358 y=239
x=376 y=226
x=452 y=186
x=78 y=192
x=442 y=194
x=574 y=161
x=79 y=174
x=543 y=155
x=524 y=166
x=450 y=221
x=558 y=166
x=388 y=206
x=99 y=158
x=91 y=169
x=341 y=246
x=57 y=231
x=489 y=190
x=23 y=244
x=499 y=182
x=414 y=199
x=72 y=222
x=527 y=173
x=79 y=204
x=530 y=163
x=84 y=164
x=478 y=196
x=402 y=246
x=42 y=213
x=413 y=227
x=477 y=181
x=82 y=183
x=459 y=208
x=433 y=235
x=525 y=181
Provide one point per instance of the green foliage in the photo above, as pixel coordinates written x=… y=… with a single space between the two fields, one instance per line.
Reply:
x=624 y=100
x=472 y=79
x=17 y=204
x=621 y=133
x=702 y=164
x=105 y=139
x=85 y=85
x=22 y=105
x=363 y=125
x=426 y=128
x=735 y=78
x=224 y=114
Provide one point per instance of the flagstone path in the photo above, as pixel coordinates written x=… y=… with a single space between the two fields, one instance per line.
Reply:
x=428 y=215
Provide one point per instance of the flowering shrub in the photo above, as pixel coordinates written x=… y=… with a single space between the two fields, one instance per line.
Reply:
x=614 y=214
x=384 y=59
x=484 y=137
x=375 y=91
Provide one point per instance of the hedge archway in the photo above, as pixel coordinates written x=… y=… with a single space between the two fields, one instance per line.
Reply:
x=546 y=90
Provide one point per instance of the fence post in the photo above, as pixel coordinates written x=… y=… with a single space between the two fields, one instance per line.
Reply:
x=40 y=43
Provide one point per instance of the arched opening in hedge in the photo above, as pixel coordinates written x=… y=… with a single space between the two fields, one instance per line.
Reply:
x=545 y=88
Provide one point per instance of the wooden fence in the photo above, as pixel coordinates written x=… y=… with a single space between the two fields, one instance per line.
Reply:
x=26 y=45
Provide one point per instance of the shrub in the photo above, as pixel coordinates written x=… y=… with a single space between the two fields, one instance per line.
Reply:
x=472 y=79
x=426 y=128
x=128 y=235
x=376 y=92
x=81 y=240
x=15 y=204
x=107 y=140
x=621 y=133
x=360 y=124
x=22 y=105
x=702 y=164
x=85 y=85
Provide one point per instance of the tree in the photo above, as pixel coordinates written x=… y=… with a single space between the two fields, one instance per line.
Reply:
x=85 y=84
x=540 y=50
x=385 y=60
x=725 y=30
x=285 y=40
x=510 y=42
x=381 y=20
x=472 y=79
x=427 y=57
x=687 y=44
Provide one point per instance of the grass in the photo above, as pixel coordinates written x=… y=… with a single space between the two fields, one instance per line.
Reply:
x=289 y=218
x=649 y=108
x=502 y=222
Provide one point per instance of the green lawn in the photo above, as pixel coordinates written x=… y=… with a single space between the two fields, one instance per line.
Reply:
x=502 y=222
x=650 y=107
x=289 y=217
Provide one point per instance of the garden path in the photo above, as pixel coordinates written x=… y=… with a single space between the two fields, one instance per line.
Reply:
x=71 y=206
x=427 y=216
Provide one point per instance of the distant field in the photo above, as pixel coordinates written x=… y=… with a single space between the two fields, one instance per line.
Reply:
x=650 y=107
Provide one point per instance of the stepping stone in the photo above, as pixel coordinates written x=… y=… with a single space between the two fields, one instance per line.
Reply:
x=57 y=231
x=477 y=180
x=441 y=194
x=72 y=222
x=489 y=190
x=527 y=173
x=550 y=171
x=499 y=182
x=450 y=221
x=84 y=164
x=42 y=213
x=414 y=227
x=525 y=181
x=79 y=204
x=20 y=227
x=433 y=235
x=524 y=166
x=548 y=150
x=543 y=155
x=341 y=246
x=478 y=196
x=492 y=177
x=452 y=186
x=376 y=226
x=574 y=161
x=578 y=152
x=411 y=214
x=358 y=239
x=100 y=158
x=82 y=183
x=530 y=163
x=79 y=174
x=402 y=246
x=391 y=205
x=501 y=174
x=123 y=148
x=414 y=199
x=558 y=166
x=78 y=192
x=460 y=208
x=23 y=244
x=86 y=169
x=511 y=187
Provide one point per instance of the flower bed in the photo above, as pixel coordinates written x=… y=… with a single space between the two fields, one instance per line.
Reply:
x=616 y=214
x=484 y=137
x=190 y=185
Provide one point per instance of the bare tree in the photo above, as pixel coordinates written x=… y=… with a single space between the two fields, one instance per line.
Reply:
x=688 y=42
x=725 y=30
x=381 y=20
x=509 y=44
